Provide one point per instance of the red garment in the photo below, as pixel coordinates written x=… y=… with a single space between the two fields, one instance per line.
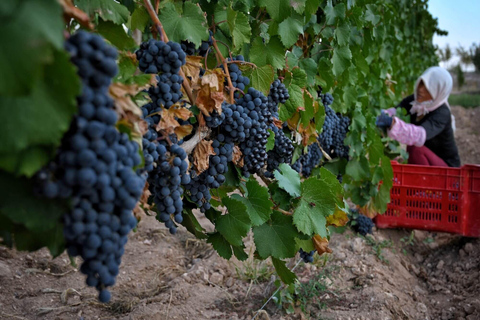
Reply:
x=424 y=156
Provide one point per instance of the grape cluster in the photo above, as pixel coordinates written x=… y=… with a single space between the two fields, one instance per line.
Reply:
x=218 y=163
x=94 y=166
x=327 y=99
x=165 y=183
x=363 y=225
x=188 y=47
x=237 y=123
x=278 y=92
x=254 y=103
x=198 y=191
x=168 y=90
x=307 y=257
x=309 y=160
x=281 y=153
x=215 y=119
x=203 y=49
x=239 y=81
x=333 y=134
x=156 y=56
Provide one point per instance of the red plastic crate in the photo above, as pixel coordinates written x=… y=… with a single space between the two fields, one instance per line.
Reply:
x=435 y=199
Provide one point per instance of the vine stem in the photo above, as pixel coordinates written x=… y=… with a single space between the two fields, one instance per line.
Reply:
x=156 y=21
x=253 y=65
x=225 y=67
x=202 y=133
x=285 y=212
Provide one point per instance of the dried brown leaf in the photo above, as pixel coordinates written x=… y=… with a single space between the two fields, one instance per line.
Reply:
x=167 y=123
x=183 y=131
x=321 y=245
x=180 y=112
x=210 y=91
x=237 y=156
x=192 y=67
x=201 y=155
x=72 y=12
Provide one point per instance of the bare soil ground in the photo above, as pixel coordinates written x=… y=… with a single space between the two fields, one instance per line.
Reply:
x=393 y=274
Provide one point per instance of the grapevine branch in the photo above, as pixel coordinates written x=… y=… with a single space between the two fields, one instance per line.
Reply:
x=225 y=67
x=156 y=21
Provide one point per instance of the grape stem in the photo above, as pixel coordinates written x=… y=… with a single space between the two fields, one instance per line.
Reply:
x=158 y=24
x=243 y=62
x=287 y=213
x=225 y=67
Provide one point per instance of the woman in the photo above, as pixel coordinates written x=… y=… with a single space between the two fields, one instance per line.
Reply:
x=429 y=137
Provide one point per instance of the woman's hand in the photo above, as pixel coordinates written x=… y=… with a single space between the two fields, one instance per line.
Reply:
x=384 y=121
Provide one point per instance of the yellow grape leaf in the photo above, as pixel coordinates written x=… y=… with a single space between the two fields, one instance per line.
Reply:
x=321 y=245
x=183 y=131
x=339 y=218
x=368 y=210
x=201 y=155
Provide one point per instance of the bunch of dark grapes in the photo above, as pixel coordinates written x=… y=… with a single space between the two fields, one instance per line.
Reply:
x=363 y=225
x=307 y=257
x=198 y=191
x=309 y=160
x=218 y=163
x=237 y=123
x=94 y=166
x=215 y=119
x=254 y=104
x=188 y=47
x=327 y=99
x=333 y=134
x=156 y=56
x=165 y=183
x=239 y=81
x=203 y=49
x=278 y=94
x=281 y=153
x=168 y=90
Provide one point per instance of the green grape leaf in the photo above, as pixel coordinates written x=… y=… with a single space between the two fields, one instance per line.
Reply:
x=241 y=31
x=236 y=223
x=19 y=204
x=115 y=34
x=276 y=238
x=270 y=140
x=261 y=77
x=107 y=9
x=310 y=67
x=272 y=54
x=341 y=60
x=289 y=30
x=29 y=35
x=189 y=24
x=311 y=7
x=283 y=272
x=50 y=107
x=334 y=13
x=259 y=206
x=306 y=245
x=318 y=201
x=342 y=33
x=281 y=198
x=240 y=253
x=358 y=169
x=370 y=15
x=277 y=9
x=220 y=244
x=191 y=223
x=288 y=179
x=140 y=19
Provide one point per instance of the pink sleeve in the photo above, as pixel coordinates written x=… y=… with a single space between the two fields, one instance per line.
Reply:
x=408 y=134
x=391 y=111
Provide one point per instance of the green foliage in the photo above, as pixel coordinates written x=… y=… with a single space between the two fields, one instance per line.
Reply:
x=366 y=53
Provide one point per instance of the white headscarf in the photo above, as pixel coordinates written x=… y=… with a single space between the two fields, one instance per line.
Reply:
x=438 y=82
